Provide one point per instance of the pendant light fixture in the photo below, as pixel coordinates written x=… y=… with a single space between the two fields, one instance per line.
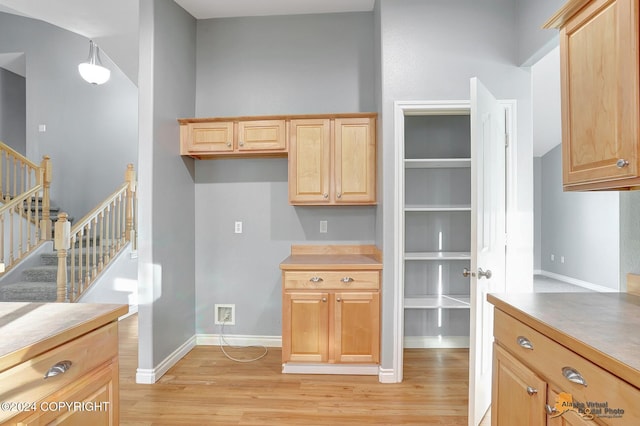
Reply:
x=92 y=70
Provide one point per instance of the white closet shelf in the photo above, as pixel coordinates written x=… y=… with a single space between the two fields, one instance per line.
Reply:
x=436 y=208
x=437 y=163
x=437 y=255
x=433 y=302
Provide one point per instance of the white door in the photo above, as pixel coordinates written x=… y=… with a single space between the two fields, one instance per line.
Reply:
x=487 y=239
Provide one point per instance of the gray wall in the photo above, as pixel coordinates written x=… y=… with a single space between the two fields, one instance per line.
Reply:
x=271 y=65
x=581 y=226
x=13 y=110
x=537 y=213
x=629 y=236
x=91 y=130
x=534 y=41
x=166 y=267
x=430 y=50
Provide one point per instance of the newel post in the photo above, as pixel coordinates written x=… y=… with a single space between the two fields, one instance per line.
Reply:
x=61 y=244
x=130 y=179
x=45 y=221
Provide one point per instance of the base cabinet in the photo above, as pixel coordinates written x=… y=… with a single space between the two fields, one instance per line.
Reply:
x=538 y=381
x=519 y=395
x=333 y=326
x=73 y=384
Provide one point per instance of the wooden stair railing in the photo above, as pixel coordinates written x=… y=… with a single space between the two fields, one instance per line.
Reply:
x=24 y=191
x=95 y=240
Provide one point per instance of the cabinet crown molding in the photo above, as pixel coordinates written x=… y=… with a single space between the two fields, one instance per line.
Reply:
x=277 y=117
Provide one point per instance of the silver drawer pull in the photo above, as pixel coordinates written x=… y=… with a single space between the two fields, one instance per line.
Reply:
x=573 y=376
x=525 y=343
x=531 y=391
x=59 y=368
x=315 y=279
x=347 y=280
x=550 y=410
x=621 y=163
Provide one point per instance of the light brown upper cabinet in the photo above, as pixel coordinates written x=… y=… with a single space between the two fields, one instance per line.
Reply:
x=332 y=160
x=600 y=73
x=211 y=138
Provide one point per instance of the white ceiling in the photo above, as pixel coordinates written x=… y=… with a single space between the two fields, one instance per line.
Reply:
x=205 y=9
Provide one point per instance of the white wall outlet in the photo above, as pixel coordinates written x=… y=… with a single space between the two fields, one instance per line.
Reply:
x=238 y=227
x=225 y=314
x=323 y=226
x=561 y=259
x=42 y=128
x=553 y=257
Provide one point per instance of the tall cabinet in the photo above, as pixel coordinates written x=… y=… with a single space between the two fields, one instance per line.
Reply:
x=437 y=228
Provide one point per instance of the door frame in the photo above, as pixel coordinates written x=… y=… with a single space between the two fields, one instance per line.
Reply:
x=401 y=109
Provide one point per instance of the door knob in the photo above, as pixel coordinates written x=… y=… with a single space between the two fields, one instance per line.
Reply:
x=467 y=273
x=484 y=274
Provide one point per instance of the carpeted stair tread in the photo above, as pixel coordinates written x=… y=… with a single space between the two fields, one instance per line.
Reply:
x=29 y=291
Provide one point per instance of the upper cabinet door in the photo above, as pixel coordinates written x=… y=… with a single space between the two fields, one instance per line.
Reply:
x=209 y=137
x=309 y=161
x=262 y=135
x=355 y=160
x=600 y=93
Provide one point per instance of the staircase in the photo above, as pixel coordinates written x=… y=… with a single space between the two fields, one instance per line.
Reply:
x=38 y=283
x=81 y=251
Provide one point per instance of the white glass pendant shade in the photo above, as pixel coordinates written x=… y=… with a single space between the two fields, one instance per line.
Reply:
x=92 y=71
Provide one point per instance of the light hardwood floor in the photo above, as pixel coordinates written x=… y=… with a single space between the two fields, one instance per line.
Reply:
x=206 y=388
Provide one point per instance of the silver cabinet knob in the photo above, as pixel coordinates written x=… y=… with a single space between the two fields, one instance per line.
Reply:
x=241 y=143
x=316 y=279
x=325 y=195
x=339 y=195
x=622 y=163
x=484 y=274
x=550 y=410
x=324 y=299
x=59 y=368
x=347 y=280
x=531 y=391
x=574 y=376
x=525 y=343
x=339 y=299
x=228 y=143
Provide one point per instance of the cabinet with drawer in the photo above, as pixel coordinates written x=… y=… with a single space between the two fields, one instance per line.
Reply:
x=330 y=313
x=69 y=377
x=578 y=389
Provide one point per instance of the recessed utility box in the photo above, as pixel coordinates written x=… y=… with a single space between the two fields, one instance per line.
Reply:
x=225 y=314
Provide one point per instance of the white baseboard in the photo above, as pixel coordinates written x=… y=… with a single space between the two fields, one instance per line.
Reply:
x=151 y=375
x=133 y=309
x=537 y=272
x=239 y=340
x=387 y=375
x=350 y=369
x=579 y=283
x=429 y=342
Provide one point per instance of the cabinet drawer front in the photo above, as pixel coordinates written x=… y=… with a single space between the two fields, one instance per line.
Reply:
x=548 y=358
x=26 y=383
x=264 y=135
x=340 y=280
